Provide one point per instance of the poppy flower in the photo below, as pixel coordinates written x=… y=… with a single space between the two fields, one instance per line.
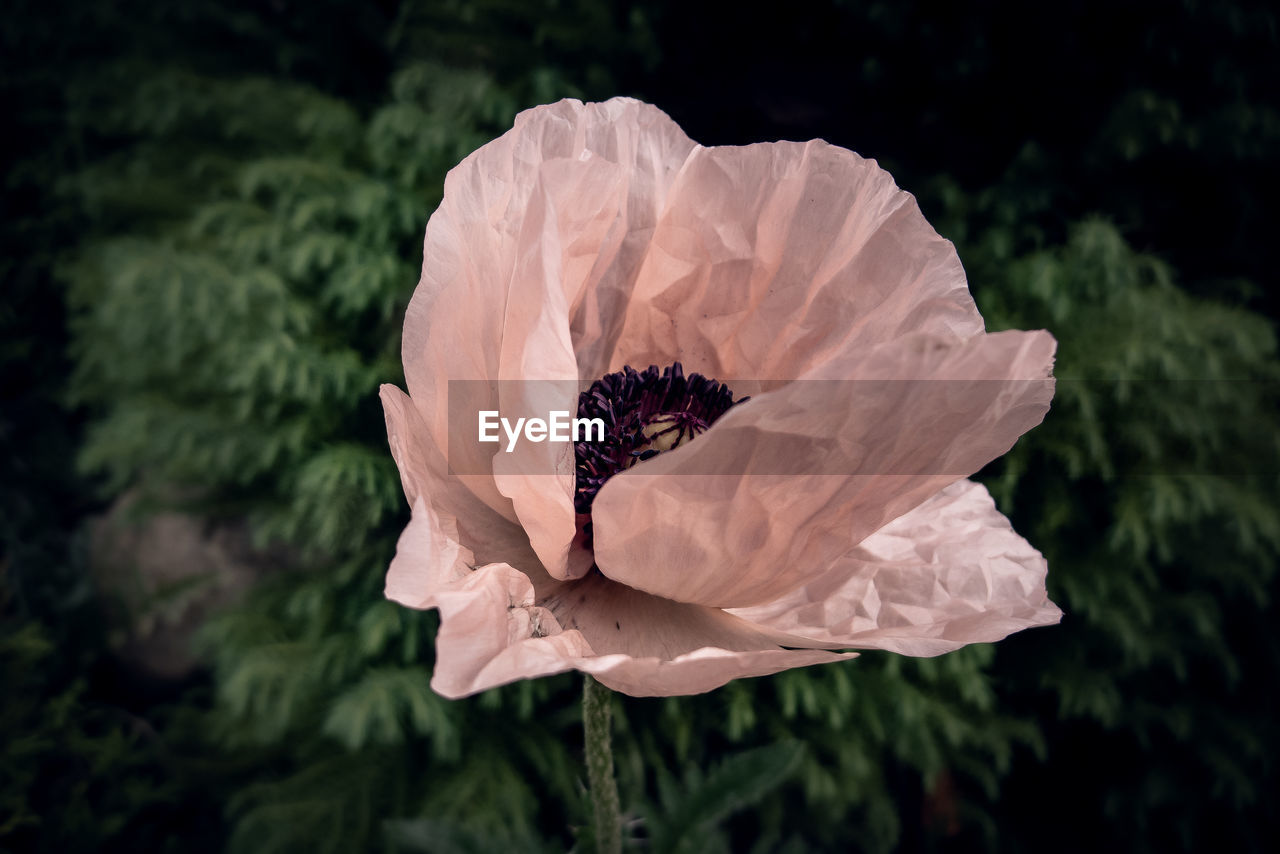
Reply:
x=794 y=381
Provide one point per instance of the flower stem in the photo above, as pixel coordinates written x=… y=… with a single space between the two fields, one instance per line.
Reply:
x=604 y=789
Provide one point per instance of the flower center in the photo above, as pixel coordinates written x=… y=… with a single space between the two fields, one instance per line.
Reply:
x=644 y=413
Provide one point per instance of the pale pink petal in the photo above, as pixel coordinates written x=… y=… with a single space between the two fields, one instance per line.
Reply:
x=949 y=573
x=646 y=646
x=772 y=258
x=524 y=225
x=495 y=629
x=460 y=513
x=492 y=633
x=428 y=558
x=699 y=671
x=538 y=477
x=615 y=618
x=498 y=624
x=784 y=484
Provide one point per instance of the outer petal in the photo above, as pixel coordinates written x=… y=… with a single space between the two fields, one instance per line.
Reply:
x=490 y=626
x=498 y=624
x=525 y=222
x=492 y=633
x=699 y=671
x=949 y=573
x=647 y=646
x=428 y=558
x=771 y=259
x=781 y=486
x=615 y=618
x=458 y=513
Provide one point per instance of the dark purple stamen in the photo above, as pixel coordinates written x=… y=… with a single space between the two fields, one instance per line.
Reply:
x=645 y=413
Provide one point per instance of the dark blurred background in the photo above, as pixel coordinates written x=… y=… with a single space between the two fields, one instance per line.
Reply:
x=212 y=223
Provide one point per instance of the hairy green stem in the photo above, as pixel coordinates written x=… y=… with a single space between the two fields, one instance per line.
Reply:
x=604 y=789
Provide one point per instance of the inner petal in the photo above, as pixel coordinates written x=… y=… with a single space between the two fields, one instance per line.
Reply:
x=783 y=486
x=770 y=260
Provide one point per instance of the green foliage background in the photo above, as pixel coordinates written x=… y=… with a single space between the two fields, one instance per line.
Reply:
x=213 y=224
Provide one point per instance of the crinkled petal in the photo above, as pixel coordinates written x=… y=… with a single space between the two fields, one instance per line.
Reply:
x=498 y=625
x=494 y=630
x=949 y=573
x=771 y=259
x=492 y=633
x=428 y=558
x=526 y=237
x=647 y=646
x=615 y=618
x=784 y=484
x=458 y=512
